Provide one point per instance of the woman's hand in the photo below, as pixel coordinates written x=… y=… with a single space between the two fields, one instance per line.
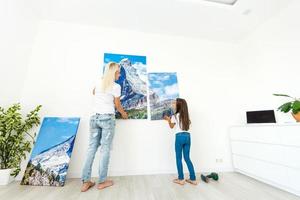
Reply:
x=124 y=115
x=119 y=108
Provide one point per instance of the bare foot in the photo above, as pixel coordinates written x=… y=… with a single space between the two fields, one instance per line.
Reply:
x=192 y=182
x=87 y=185
x=105 y=184
x=180 y=182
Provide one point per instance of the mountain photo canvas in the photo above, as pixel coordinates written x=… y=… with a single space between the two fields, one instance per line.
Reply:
x=163 y=89
x=50 y=157
x=133 y=82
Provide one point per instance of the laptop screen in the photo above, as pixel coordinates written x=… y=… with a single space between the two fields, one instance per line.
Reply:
x=262 y=116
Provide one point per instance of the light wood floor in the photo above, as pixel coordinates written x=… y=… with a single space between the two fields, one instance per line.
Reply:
x=231 y=186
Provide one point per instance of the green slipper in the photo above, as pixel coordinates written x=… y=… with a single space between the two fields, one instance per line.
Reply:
x=214 y=176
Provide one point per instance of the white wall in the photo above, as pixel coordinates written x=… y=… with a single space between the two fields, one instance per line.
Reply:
x=66 y=59
x=18 y=29
x=271 y=63
x=219 y=80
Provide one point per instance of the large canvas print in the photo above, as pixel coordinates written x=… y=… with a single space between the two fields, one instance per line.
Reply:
x=50 y=157
x=133 y=82
x=163 y=89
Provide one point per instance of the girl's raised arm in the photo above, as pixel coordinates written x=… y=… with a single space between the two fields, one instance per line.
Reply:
x=168 y=119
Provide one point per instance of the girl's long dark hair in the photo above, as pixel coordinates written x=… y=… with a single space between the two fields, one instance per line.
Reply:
x=182 y=109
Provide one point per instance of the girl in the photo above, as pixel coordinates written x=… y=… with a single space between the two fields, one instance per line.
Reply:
x=180 y=121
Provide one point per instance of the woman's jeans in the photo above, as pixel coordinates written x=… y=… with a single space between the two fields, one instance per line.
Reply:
x=183 y=145
x=102 y=129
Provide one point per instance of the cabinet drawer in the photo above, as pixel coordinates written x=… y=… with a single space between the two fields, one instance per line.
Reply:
x=292 y=157
x=267 y=152
x=255 y=134
x=267 y=171
x=284 y=135
x=294 y=178
x=290 y=136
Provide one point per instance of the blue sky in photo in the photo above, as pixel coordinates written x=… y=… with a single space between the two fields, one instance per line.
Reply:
x=138 y=62
x=164 y=84
x=53 y=131
x=110 y=57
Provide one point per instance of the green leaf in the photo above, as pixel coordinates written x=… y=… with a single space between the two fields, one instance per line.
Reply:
x=296 y=107
x=15 y=143
x=286 y=107
x=282 y=95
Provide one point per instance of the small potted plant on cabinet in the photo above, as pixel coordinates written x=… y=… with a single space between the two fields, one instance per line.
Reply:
x=293 y=106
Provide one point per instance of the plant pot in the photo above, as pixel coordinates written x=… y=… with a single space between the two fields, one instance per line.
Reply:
x=5 y=177
x=296 y=116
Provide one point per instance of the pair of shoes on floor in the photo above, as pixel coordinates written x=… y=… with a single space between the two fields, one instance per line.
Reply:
x=213 y=176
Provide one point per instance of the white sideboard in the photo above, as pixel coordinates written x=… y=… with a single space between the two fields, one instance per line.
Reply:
x=269 y=153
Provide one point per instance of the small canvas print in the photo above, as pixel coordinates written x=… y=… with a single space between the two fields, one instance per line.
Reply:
x=163 y=89
x=50 y=157
x=133 y=82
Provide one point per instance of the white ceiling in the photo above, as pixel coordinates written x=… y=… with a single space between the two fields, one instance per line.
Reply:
x=189 y=18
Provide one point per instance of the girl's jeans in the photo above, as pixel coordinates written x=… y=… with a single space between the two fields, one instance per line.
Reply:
x=183 y=145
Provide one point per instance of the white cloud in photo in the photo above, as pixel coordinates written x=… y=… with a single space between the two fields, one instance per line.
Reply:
x=65 y=137
x=67 y=120
x=163 y=78
x=158 y=83
x=159 y=91
x=171 y=90
x=152 y=77
x=164 y=85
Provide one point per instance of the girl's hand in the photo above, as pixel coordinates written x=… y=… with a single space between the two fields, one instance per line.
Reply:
x=167 y=118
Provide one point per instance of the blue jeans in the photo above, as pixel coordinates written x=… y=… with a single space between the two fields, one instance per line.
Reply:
x=183 y=145
x=102 y=129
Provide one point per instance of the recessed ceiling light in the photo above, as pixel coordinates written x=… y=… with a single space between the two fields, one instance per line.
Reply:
x=247 y=12
x=227 y=2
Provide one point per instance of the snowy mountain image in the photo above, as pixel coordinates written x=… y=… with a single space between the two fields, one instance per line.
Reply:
x=163 y=89
x=134 y=76
x=49 y=166
x=133 y=82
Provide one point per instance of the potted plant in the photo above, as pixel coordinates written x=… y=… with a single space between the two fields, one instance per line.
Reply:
x=16 y=139
x=293 y=106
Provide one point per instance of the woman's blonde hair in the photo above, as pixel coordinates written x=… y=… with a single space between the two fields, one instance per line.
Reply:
x=108 y=77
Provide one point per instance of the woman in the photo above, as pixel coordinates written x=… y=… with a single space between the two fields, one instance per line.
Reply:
x=102 y=126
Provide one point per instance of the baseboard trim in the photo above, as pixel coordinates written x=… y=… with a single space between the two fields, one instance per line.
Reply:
x=143 y=172
x=152 y=172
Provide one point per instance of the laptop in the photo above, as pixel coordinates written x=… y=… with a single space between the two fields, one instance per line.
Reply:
x=261 y=116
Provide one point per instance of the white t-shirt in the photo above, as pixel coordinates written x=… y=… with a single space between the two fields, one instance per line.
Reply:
x=175 y=120
x=104 y=101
